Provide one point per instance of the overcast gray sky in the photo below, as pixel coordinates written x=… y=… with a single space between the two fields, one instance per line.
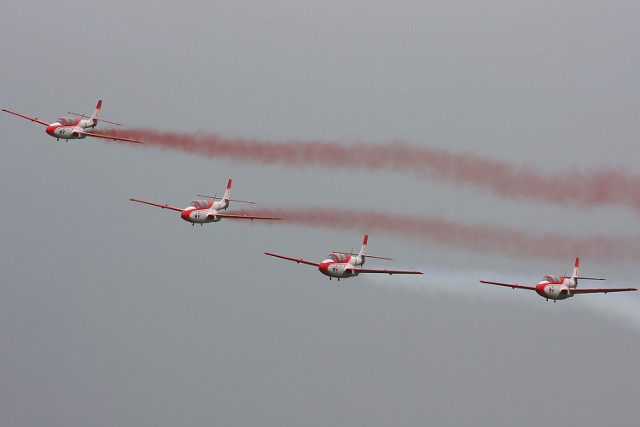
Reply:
x=113 y=313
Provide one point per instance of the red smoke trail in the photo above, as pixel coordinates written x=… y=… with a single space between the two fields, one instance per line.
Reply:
x=476 y=238
x=596 y=188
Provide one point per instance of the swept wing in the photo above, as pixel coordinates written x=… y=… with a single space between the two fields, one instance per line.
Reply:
x=509 y=285
x=368 y=270
x=243 y=216
x=298 y=260
x=163 y=206
x=33 y=119
x=600 y=290
x=115 y=138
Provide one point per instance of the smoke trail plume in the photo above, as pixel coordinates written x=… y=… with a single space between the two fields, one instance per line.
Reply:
x=624 y=309
x=477 y=238
x=595 y=188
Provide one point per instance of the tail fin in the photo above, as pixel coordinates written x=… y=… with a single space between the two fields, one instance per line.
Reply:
x=574 y=275
x=94 y=117
x=363 y=249
x=227 y=192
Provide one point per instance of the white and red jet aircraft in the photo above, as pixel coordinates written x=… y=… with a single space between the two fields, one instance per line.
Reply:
x=560 y=287
x=343 y=264
x=208 y=210
x=74 y=127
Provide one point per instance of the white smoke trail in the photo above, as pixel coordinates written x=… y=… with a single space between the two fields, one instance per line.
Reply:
x=623 y=308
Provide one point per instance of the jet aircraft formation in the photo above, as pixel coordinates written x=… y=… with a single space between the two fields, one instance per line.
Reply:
x=339 y=265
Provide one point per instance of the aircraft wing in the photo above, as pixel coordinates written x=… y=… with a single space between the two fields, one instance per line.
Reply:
x=242 y=216
x=298 y=260
x=165 y=206
x=33 y=119
x=509 y=285
x=368 y=270
x=115 y=138
x=601 y=290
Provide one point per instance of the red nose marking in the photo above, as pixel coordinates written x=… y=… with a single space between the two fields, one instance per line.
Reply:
x=185 y=215
x=51 y=129
x=324 y=268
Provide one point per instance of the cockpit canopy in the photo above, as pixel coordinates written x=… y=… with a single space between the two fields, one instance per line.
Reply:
x=66 y=121
x=338 y=257
x=552 y=279
x=201 y=204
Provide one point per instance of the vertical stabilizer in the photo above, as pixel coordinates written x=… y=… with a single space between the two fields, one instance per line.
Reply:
x=363 y=249
x=93 y=120
x=574 y=275
x=224 y=200
x=227 y=192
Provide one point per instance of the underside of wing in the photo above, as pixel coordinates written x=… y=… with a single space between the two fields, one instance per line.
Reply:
x=33 y=119
x=243 y=216
x=115 y=138
x=369 y=270
x=509 y=285
x=601 y=290
x=163 y=206
x=298 y=260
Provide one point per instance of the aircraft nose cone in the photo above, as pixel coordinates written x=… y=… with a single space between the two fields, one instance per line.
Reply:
x=324 y=268
x=185 y=215
x=51 y=129
x=540 y=289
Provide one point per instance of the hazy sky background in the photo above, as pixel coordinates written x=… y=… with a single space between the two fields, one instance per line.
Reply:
x=114 y=313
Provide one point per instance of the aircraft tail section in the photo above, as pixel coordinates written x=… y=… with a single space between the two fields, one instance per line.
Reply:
x=227 y=192
x=574 y=275
x=94 y=117
x=363 y=249
x=223 y=203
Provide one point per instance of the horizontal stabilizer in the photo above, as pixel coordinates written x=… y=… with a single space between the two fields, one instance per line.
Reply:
x=82 y=116
x=368 y=256
x=220 y=198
